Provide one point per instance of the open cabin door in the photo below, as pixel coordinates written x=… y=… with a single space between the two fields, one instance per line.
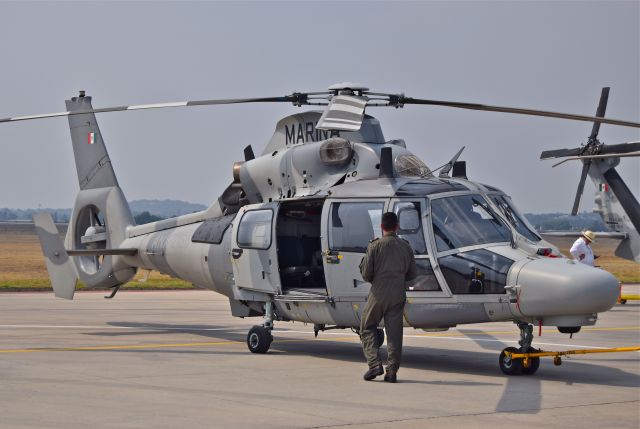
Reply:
x=253 y=253
x=350 y=225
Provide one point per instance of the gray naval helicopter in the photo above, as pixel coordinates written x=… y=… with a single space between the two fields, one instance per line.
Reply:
x=285 y=238
x=615 y=203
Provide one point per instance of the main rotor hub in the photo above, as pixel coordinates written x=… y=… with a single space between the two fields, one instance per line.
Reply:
x=348 y=88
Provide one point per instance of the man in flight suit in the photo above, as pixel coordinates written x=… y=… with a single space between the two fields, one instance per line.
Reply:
x=387 y=265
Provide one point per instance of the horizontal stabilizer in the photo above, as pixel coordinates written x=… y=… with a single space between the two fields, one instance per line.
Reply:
x=61 y=272
x=102 y=252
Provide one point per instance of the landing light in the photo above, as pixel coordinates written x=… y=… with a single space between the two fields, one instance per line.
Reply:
x=336 y=151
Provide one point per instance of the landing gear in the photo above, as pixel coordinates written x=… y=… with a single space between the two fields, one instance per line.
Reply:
x=259 y=337
x=526 y=366
x=510 y=366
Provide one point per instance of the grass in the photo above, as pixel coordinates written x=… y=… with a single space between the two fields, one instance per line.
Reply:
x=22 y=268
x=625 y=271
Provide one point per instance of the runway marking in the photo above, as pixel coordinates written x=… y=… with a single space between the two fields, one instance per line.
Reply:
x=126 y=347
x=102 y=327
x=153 y=346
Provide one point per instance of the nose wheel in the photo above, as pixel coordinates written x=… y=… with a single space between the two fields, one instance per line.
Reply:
x=518 y=366
x=508 y=365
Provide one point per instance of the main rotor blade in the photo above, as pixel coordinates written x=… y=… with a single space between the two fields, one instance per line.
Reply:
x=620 y=148
x=611 y=155
x=602 y=107
x=583 y=178
x=473 y=106
x=294 y=98
x=559 y=153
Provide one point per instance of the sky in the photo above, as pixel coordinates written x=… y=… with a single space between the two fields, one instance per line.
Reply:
x=548 y=55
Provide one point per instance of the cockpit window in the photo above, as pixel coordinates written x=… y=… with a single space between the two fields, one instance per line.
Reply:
x=510 y=212
x=411 y=166
x=465 y=220
x=410 y=222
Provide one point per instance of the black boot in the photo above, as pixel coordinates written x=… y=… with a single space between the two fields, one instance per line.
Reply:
x=373 y=373
x=390 y=377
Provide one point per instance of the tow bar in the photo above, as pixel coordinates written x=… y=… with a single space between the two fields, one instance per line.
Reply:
x=557 y=360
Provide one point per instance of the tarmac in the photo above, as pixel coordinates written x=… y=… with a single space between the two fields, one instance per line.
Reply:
x=179 y=360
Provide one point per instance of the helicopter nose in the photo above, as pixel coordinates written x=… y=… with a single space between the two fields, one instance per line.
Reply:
x=563 y=287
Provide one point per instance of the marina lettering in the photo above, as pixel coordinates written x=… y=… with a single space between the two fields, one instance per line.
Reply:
x=304 y=132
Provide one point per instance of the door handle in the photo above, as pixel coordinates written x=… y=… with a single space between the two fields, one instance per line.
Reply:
x=332 y=257
x=236 y=253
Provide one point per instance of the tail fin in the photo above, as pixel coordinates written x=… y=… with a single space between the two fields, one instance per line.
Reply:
x=61 y=272
x=92 y=160
x=101 y=213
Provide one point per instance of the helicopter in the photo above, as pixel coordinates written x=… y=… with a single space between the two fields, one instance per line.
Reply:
x=615 y=203
x=285 y=238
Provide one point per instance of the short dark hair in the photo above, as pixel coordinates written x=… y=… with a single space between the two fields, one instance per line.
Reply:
x=389 y=221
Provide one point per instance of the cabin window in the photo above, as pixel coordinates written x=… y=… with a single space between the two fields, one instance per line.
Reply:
x=425 y=280
x=465 y=220
x=353 y=225
x=254 y=231
x=410 y=222
x=475 y=272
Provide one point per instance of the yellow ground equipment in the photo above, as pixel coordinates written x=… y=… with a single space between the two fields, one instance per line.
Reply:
x=513 y=362
x=624 y=297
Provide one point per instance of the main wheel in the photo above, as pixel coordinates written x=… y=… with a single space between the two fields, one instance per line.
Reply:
x=508 y=365
x=259 y=339
x=380 y=334
x=534 y=364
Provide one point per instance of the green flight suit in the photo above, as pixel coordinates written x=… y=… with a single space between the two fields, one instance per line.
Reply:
x=387 y=265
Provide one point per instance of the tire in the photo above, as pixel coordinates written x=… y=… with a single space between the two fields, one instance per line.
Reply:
x=259 y=339
x=534 y=364
x=510 y=366
x=380 y=334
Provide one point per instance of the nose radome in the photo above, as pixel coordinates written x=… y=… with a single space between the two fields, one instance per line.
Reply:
x=563 y=287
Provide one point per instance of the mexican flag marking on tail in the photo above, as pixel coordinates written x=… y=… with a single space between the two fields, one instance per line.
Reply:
x=92 y=138
x=604 y=187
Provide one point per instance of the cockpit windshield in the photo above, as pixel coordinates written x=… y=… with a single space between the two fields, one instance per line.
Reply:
x=465 y=220
x=510 y=212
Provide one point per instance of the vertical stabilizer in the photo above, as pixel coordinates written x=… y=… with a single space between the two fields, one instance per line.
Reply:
x=92 y=160
x=101 y=213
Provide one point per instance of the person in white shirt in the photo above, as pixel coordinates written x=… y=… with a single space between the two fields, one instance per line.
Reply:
x=581 y=249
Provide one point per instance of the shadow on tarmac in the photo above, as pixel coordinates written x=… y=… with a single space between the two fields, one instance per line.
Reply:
x=518 y=390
